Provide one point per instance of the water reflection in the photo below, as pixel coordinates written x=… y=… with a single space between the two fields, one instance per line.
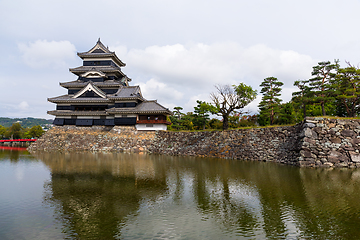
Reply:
x=105 y=196
x=94 y=193
x=14 y=153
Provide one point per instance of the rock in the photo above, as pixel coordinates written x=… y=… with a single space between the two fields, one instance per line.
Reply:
x=328 y=164
x=347 y=133
x=355 y=141
x=307 y=132
x=335 y=140
x=309 y=125
x=335 y=156
x=355 y=157
x=310 y=121
x=305 y=154
x=342 y=164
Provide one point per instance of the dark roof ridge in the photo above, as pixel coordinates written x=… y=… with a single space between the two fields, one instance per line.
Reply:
x=98 y=45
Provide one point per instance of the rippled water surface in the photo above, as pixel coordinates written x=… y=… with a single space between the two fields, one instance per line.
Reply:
x=133 y=196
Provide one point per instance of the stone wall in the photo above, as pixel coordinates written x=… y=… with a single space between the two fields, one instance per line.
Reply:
x=316 y=142
x=95 y=138
x=330 y=142
x=278 y=144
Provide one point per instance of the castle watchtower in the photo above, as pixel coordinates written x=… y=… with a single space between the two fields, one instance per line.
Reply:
x=101 y=95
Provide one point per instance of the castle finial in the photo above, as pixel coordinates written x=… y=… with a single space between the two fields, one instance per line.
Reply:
x=99 y=40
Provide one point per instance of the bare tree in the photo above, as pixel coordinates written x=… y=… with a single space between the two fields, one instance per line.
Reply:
x=227 y=99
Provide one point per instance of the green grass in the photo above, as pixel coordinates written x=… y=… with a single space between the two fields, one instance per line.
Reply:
x=335 y=117
x=267 y=126
x=249 y=127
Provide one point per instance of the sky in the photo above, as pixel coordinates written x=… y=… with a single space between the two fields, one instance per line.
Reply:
x=176 y=51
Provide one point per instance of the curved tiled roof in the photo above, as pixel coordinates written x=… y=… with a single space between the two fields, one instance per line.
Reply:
x=69 y=99
x=77 y=113
x=104 y=69
x=146 y=107
x=99 y=51
x=80 y=83
x=128 y=92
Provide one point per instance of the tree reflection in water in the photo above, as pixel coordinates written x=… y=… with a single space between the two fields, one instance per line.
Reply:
x=105 y=196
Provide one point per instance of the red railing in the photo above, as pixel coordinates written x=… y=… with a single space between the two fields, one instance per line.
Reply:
x=18 y=140
x=13 y=148
x=152 y=122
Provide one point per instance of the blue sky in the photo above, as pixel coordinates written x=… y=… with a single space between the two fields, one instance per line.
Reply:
x=175 y=50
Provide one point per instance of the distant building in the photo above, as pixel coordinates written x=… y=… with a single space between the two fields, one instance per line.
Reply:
x=102 y=96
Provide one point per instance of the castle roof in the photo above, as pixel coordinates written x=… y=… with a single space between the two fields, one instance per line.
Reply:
x=90 y=87
x=100 y=51
x=69 y=98
x=77 y=113
x=105 y=69
x=129 y=92
x=146 y=107
x=81 y=84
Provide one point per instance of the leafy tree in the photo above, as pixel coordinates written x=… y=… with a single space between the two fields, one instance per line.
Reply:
x=15 y=131
x=181 y=121
x=215 y=124
x=201 y=116
x=36 y=132
x=175 y=123
x=347 y=84
x=270 y=103
x=2 y=132
x=186 y=121
x=248 y=120
x=239 y=120
x=320 y=85
x=228 y=99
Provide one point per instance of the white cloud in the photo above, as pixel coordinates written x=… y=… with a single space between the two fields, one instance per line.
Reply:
x=183 y=73
x=43 y=53
x=23 y=105
x=153 y=89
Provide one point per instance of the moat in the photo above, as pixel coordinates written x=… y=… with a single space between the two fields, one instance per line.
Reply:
x=141 y=196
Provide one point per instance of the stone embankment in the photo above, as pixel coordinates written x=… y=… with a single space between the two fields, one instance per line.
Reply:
x=96 y=138
x=330 y=143
x=316 y=142
x=278 y=144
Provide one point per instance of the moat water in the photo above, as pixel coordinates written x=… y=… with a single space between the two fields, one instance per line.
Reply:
x=134 y=196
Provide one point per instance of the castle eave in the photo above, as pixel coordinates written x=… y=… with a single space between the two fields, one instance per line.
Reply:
x=69 y=99
x=84 y=55
x=77 y=113
x=77 y=83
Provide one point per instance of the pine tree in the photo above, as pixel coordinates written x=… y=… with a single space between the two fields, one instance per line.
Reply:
x=270 y=103
x=320 y=85
x=347 y=84
x=303 y=96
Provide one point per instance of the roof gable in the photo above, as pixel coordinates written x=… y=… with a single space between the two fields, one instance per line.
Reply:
x=100 y=51
x=99 y=48
x=91 y=88
x=93 y=73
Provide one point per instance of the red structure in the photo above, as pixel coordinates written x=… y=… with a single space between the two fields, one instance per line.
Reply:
x=18 y=140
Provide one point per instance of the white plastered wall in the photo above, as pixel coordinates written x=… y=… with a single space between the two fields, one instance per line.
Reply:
x=155 y=127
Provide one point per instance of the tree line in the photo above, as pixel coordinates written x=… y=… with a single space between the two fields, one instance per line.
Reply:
x=331 y=91
x=16 y=131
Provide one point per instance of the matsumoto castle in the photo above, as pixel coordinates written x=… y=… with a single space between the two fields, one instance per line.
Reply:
x=102 y=96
